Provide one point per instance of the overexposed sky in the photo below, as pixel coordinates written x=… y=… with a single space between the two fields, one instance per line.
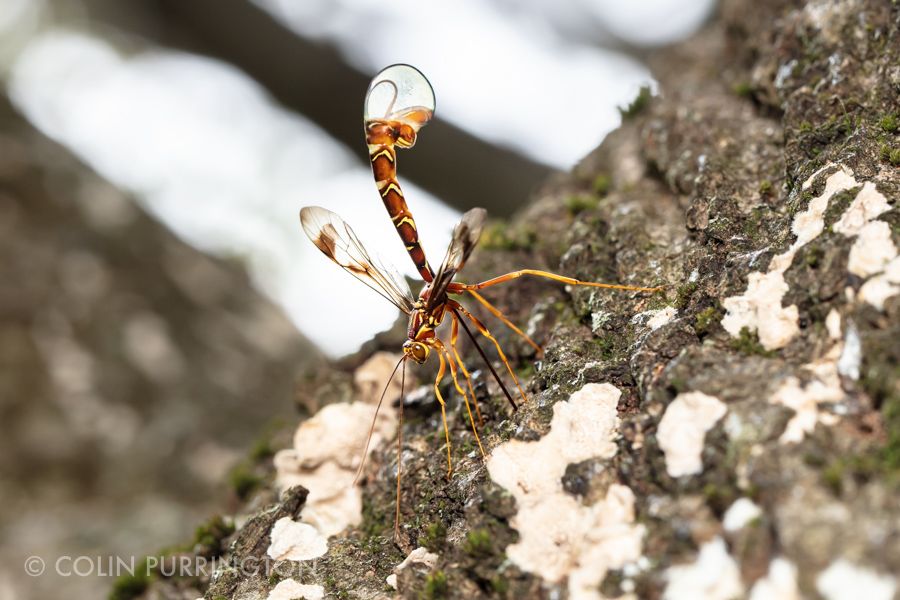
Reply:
x=211 y=155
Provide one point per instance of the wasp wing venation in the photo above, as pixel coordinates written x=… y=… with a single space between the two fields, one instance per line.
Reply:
x=465 y=237
x=336 y=239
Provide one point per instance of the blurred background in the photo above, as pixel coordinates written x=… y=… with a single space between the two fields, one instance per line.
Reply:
x=159 y=301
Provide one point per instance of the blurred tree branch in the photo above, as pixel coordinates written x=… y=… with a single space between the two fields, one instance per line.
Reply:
x=313 y=80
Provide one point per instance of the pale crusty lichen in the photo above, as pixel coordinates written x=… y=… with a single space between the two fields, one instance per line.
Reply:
x=759 y=308
x=419 y=555
x=682 y=429
x=843 y=579
x=328 y=449
x=780 y=583
x=559 y=536
x=740 y=513
x=823 y=386
x=295 y=541
x=290 y=589
x=713 y=576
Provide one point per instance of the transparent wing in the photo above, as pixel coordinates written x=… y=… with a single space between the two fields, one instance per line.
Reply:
x=400 y=93
x=465 y=238
x=337 y=241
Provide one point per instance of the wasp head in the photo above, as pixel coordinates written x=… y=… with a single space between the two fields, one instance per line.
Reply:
x=416 y=351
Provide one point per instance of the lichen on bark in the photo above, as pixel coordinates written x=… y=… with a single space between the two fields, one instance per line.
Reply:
x=699 y=191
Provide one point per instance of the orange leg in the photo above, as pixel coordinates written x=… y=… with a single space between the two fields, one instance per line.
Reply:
x=484 y=331
x=569 y=280
x=440 y=398
x=453 y=336
x=503 y=318
x=440 y=346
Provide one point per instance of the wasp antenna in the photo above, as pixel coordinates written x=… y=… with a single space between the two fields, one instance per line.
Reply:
x=400 y=446
x=375 y=418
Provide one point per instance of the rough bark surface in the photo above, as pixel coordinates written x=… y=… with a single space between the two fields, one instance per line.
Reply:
x=707 y=189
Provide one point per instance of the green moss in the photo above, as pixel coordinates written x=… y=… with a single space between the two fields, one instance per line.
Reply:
x=806 y=127
x=375 y=520
x=719 y=497
x=435 y=538
x=891 y=155
x=678 y=383
x=605 y=347
x=128 y=586
x=683 y=295
x=435 y=586
x=501 y=237
x=244 y=482
x=882 y=382
x=743 y=90
x=748 y=343
x=602 y=184
x=578 y=204
x=478 y=543
x=838 y=204
x=813 y=256
x=765 y=187
x=889 y=124
x=833 y=476
x=706 y=319
x=499 y=585
x=637 y=105
x=526 y=372
x=210 y=534
x=894 y=156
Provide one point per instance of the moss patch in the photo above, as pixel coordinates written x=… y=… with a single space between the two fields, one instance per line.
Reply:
x=748 y=343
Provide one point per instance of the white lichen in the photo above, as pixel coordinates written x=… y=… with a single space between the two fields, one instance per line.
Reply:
x=780 y=583
x=559 y=536
x=713 y=576
x=833 y=324
x=580 y=429
x=682 y=429
x=873 y=252
x=662 y=317
x=740 y=513
x=824 y=386
x=598 y=320
x=295 y=541
x=290 y=590
x=328 y=449
x=881 y=287
x=843 y=580
x=759 y=308
x=851 y=354
x=420 y=556
x=868 y=204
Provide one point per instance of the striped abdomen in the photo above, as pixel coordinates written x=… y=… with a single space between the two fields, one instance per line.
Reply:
x=382 y=138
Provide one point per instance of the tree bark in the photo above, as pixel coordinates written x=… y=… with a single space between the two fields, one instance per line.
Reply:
x=758 y=396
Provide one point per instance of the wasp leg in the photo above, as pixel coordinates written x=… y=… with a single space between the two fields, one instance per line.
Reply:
x=440 y=398
x=569 y=280
x=440 y=346
x=503 y=318
x=484 y=331
x=453 y=336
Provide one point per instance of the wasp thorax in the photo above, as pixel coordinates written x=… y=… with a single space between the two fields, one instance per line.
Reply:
x=416 y=351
